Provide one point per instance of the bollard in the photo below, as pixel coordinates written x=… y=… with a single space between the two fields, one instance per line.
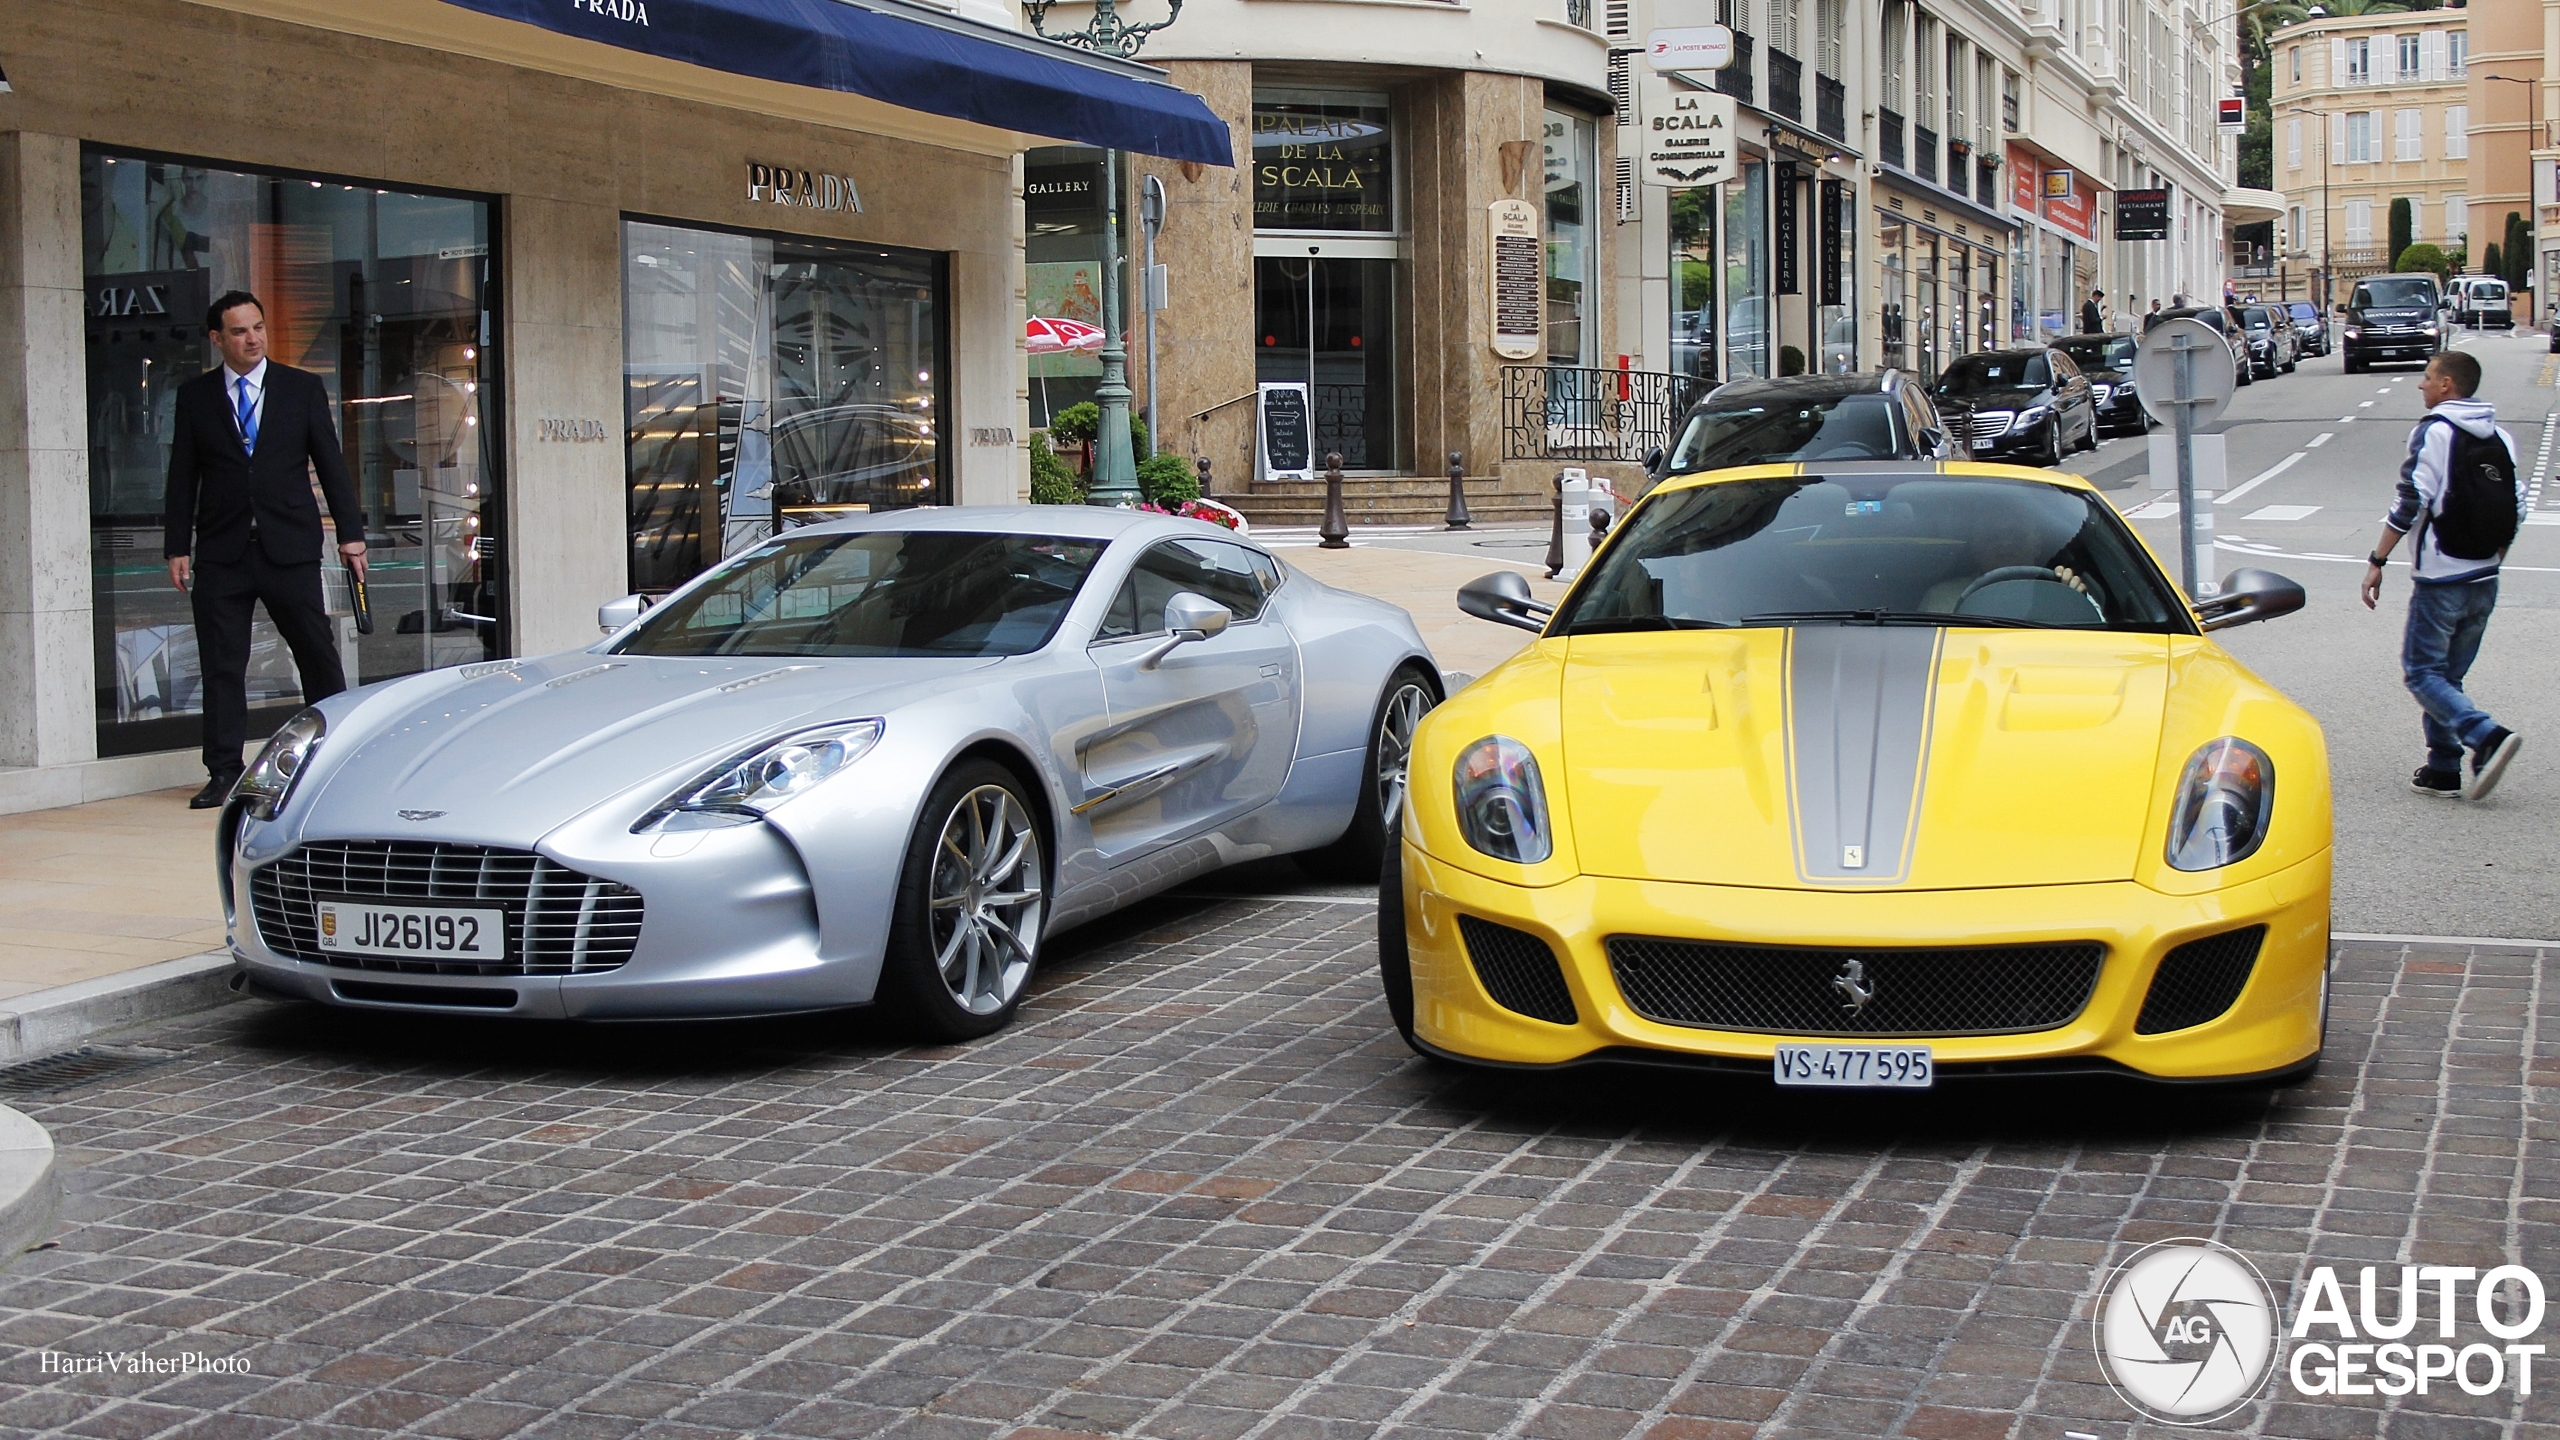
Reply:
x=1335 y=532
x=1599 y=526
x=1458 y=518
x=1555 y=528
x=1203 y=462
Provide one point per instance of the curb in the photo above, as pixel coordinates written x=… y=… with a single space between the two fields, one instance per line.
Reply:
x=49 y=1021
x=30 y=1191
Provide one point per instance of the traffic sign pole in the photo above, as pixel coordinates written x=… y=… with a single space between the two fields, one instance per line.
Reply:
x=2182 y=401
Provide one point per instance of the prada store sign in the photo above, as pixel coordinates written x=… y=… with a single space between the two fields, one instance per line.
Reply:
x=808 y=189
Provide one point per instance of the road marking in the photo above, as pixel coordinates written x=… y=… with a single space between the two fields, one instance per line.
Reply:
x=2153 y=510
x=2361 y=405
x=2282 y=512
x=2261 y=478
x=2385 y=390
x=2234 y=542
x=2346 y=419
x=2320 y=439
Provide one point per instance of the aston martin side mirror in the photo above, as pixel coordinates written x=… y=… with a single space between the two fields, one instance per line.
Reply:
x=1503 y=597
x=612 y=615
x=1653 y=459
x=2249 y=596
x=1187 y=617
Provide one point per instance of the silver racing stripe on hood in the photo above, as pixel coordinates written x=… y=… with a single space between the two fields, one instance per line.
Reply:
x=1858 y=716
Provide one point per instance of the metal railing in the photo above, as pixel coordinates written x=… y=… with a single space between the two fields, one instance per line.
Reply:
x=1786 y=85
x=1889 y=138
x=1924 y=158
x=1735 y=78
x=1986 y=183
x=1831 y=108
x=1563 y=412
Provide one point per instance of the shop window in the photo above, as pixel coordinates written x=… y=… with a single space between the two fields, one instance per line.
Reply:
x=386 y=295
x=1693 y=276
x=773 y=381
x=1571 y=286
x=1329 y=297
x=1748 y=310
x=1064 y=203
x=1323 y=161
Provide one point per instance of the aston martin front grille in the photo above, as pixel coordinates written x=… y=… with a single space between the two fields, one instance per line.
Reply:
x=1813 y=990
x=559 y=921
x=2199 y=981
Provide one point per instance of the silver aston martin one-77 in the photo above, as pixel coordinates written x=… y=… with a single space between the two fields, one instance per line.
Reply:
x=871 y=761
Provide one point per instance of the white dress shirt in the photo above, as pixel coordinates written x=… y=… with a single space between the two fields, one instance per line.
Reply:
x=256 y=380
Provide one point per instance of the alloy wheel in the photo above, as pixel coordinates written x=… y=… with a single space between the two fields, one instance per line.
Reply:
x=1403 y=711
x=987 y=899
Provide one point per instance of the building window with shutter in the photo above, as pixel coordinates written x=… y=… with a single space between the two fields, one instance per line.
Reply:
x=2408 y=58
x=2359 y=222
x=2360 y=61
x=2359 y=136
x=2457 y=216
x=2293 y=143
x=2457 y=53
x=2296 y=53
x=2457 y=132
x=2408 y=136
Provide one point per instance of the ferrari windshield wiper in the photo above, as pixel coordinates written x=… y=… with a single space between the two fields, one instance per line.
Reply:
x=1893 y=617
x=1614 y=624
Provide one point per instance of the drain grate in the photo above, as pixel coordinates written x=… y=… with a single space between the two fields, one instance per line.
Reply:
x=84 y=1066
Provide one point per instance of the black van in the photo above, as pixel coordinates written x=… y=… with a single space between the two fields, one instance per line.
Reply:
x=2391 y=317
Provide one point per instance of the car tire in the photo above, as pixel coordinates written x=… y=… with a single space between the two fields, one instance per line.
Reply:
x=1395 y=955
x=2052 y=459
x=981 y=807
x=2292 y=363
x=1408 y=695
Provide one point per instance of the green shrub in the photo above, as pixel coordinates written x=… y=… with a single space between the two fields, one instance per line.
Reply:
x=1082 y=421
x=1790 y=360
x=1051 y=482
x=2423 y=256
x=2403 y=225
x=1168 y=481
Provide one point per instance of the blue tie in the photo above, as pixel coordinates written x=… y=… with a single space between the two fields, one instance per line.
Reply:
x=248 y=417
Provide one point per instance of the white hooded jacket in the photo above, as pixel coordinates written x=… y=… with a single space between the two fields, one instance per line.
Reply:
x=2422 y=487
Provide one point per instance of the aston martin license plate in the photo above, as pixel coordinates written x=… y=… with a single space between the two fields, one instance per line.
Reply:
x=1856 y=1067
x=412 y=931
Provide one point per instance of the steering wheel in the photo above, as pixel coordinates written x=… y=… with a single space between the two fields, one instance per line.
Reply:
x=2009 y=572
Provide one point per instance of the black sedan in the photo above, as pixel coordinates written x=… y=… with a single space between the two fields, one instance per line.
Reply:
x=2312 y=326
x=1870 y=416
x=2108 y=362
x=2029 y=404
x=2274 y=348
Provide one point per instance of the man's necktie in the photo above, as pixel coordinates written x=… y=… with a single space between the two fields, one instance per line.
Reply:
x=248 y=417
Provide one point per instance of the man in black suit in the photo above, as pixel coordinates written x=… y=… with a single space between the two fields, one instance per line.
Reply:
x=249 y=434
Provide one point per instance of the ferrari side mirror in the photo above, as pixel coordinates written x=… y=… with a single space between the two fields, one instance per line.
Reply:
x=1503 y=597
x=612 y=615
x=2248 y=596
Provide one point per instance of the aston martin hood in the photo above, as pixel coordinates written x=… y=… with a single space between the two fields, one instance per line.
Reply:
x=1857 y=756
x=509 y=753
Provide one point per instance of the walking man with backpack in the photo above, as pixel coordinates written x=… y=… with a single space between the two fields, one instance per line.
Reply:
x=2460 y=498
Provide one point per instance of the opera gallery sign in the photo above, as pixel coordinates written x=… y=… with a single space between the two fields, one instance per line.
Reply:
x=1688 y=135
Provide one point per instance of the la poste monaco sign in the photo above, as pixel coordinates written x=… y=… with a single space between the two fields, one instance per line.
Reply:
x=1696 y=47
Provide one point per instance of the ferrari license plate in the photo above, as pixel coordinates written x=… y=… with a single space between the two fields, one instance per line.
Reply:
x=412 y=931
x=1855 y=1067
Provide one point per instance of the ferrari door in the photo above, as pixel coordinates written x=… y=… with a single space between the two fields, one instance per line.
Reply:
x=1203 y=733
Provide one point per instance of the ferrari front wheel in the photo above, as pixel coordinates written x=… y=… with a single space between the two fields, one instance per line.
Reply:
x=1395 y=959
x=972 y=896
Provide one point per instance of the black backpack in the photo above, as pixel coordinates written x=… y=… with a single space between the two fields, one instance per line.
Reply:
x=2477 y=520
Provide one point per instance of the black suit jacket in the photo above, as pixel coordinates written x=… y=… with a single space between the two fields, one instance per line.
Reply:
x=216 y=487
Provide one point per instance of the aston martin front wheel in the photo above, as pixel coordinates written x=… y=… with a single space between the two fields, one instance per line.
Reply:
x=971 y=900
x=1379 y=815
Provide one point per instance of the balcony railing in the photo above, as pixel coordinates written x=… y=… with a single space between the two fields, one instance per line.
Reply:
x=1986 y=184
x=1786 y=85
x=1559 y=412
x=1831 y=108
x=1735 y=79
x=1577 y=13
x=1925 y=163
x=1889 y=138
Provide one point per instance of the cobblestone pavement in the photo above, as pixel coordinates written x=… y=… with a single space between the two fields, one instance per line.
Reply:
x=1200 y=1190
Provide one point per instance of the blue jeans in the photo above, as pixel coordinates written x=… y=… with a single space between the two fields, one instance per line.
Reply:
x=2445 y=624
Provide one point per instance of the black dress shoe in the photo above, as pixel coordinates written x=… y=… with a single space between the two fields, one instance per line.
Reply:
x=215 y=791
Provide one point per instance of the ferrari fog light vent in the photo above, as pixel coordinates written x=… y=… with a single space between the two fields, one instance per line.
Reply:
x=2200 y=981
x=1519 y=971
x=1815 y=990
x=559 y=921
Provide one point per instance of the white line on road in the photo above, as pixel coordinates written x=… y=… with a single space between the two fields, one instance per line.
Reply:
x=2320 y=439
x=2385 y=390
x=2282 y=512
x=2361 y=405
x=2153 y=509
x=2346 y=419
x=2261 y=478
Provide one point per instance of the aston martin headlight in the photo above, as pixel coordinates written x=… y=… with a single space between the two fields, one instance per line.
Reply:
x=2225 y=800
x=755 y=782
x=1502 y=807
x=269 y=782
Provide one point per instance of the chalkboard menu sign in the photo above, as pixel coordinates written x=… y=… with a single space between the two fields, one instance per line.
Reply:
x=1519 y=272
x=1283 y=433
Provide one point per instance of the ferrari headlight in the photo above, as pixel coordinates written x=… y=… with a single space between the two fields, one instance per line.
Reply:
x=754 y=783
x=1502 y=807
x=269 y=782
x=2225 y=800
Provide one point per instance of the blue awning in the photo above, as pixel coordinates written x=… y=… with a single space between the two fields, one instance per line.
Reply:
x=906 y=56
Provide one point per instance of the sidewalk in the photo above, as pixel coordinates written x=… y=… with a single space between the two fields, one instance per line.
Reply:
x=112 y=887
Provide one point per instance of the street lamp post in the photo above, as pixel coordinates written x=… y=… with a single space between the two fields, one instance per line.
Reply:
x=2532 y=135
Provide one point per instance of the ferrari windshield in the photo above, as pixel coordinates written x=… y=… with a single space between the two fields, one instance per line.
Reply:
x=1875 y=549
x=876 y=593
x=1831 y=427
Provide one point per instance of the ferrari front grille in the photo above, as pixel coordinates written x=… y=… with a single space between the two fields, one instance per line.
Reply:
x=1519 y=971
x=559 y=921
x=1816 y=990
x=2199 y=981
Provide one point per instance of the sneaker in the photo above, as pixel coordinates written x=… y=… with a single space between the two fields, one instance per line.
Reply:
x=2442 y=784
x=2489 y=760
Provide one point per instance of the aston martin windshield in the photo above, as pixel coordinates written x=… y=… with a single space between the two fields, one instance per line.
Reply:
x=1875 y=549
x=1822 y=427
x=876 y=593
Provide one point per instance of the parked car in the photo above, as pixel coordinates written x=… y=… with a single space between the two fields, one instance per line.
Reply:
x=2479 y=302
x=2021 y=815
x=2030 y=404
x=2267 y=331
x=2312 y=326
x=870 y=761
x=1873 y=416
x=2213 y=316
x=2391 y=317
x=2108 y=362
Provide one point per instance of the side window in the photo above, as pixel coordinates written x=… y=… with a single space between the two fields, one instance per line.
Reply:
x=2039 y=371
x=1210 y=569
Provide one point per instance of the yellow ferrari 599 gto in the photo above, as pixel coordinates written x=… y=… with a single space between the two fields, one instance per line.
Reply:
x=1859 y=775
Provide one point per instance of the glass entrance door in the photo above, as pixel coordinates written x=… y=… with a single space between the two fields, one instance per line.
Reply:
x=1327 y=320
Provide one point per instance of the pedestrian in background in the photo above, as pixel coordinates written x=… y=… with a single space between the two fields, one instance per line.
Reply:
x=2093 y=317
x=2458 y=495
x=243 y=529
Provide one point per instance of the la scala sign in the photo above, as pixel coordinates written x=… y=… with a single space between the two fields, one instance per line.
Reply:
x=1688 y=136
